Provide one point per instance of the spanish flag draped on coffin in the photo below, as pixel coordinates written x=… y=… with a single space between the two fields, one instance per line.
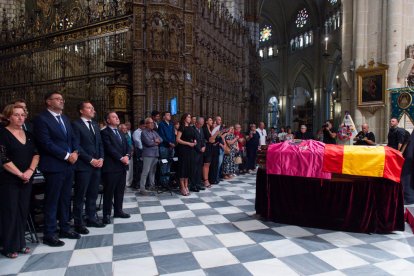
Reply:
x=309 y=158
x=374 y=161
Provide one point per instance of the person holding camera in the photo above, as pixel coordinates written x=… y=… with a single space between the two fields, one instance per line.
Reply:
x=329 y=135
x=364 y=137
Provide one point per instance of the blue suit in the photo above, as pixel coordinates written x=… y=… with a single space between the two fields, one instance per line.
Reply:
x=113 y=171
x=87 y=177
x=54 y=144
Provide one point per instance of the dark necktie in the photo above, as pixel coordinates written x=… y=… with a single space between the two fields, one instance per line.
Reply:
x=118 y=135
x=91 y=129
x=62 y=126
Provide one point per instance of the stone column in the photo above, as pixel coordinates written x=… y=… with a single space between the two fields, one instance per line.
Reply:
x=395 y=50
x=347 y=62
x=360 y=11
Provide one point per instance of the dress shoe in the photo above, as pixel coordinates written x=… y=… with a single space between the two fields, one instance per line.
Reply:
x=106 y=220
x=94 y=223
x=53 y=241
x=194 y=189
x=201 y=188
x=122 y=215
x=69 y=235
x=81 y=230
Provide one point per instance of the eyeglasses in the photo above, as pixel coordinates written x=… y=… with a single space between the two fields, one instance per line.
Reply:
x=58 y=99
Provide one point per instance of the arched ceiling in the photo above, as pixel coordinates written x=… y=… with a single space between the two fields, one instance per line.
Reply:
x=281 y=14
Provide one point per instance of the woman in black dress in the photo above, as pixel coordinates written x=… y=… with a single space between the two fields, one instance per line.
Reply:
x=186 y=141
x=208 y=154
x=20 y=158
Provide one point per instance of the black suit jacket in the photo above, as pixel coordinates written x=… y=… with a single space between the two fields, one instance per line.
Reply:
x=53 y=144
x=114 y=150
x=201 y=141
x=90 y=146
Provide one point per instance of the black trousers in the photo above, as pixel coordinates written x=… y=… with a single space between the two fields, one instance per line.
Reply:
x=86 y=187
x=251 y=158
x=58 y=191
x=196 y=178
x=213 y=171
x=14 y=208
x=137 y=167
x=114 y=188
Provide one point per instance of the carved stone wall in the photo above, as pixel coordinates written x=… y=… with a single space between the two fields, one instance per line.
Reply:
x=155 y=50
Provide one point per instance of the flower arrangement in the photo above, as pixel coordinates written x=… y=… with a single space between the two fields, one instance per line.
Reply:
x=345 y=133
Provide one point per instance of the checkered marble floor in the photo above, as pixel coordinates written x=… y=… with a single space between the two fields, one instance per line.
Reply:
x=215 y=232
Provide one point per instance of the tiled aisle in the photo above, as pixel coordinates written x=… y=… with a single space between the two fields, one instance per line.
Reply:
x=215 y=232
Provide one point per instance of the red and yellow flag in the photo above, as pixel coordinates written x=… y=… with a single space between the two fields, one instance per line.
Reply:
x=374 y=161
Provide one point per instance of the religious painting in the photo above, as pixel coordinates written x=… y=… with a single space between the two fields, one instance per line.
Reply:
x=371 y=84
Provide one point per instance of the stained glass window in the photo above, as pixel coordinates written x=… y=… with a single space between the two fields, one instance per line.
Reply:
x=333 y=2
x=302 y=18
x=265 y=34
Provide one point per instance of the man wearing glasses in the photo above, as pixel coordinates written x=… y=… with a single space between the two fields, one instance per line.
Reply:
x=58 y=150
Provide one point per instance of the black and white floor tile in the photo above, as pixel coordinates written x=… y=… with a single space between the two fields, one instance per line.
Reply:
x=215 y=232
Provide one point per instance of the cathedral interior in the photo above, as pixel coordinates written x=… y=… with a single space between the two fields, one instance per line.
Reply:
x=285 y=63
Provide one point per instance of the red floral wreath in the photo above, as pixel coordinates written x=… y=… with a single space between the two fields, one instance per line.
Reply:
x=345 y=133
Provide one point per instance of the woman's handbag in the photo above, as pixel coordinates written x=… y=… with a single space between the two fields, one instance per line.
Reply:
x=238 y=160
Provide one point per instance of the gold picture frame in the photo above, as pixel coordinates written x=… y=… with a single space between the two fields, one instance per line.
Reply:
x=372 y=81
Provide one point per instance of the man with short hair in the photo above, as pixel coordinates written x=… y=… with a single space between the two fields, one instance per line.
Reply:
x=193 y=120
x=136 y=137
x=123 y=129
x=395 y=135
x=329 y=134
x=130 y=172
x=150 y=153
x=87 y=169
x=114 y=168
x=167 y=134
x=365 y=137
x=200 y=147
x=303 y=133
x=156 y=116
x=58 y=150
x=262 y=133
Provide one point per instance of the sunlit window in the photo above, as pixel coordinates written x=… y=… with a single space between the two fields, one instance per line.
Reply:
x=265 y=34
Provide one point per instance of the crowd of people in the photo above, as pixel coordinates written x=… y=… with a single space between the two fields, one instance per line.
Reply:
x=80 y=155
x=196 y=151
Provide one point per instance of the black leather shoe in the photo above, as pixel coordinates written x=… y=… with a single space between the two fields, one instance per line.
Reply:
x=194 y=189
x=53 y=241
x=122 y=215
x=82 y=230
x=201 y=188
x=94 y=223
x=106 y=220
x=69 y=235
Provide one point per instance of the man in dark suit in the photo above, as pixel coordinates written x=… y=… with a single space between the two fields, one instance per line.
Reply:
x=88 y=168
x=58 y=150
x=114 y=168
x=200 y=148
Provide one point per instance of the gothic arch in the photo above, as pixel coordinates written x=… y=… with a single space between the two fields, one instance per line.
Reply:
x=304 y=68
